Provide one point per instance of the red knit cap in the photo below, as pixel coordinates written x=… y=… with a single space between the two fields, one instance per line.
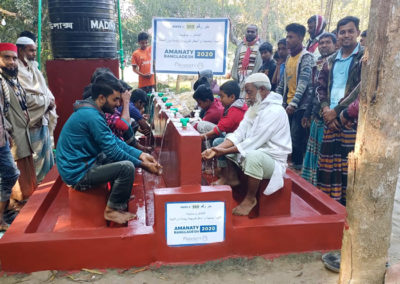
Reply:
x=6 y=46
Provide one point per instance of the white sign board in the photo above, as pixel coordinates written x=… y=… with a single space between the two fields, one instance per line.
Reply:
x=194 y=223
x=187 y=46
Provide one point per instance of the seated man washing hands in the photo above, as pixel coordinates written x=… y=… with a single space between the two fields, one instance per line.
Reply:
x=259 y=146
x=90 y=155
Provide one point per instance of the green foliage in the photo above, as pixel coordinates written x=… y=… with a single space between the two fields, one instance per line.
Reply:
x=271 y=16
x=26 y=19
x=140 y=17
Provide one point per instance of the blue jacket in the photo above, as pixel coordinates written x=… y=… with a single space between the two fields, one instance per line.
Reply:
x=84 y=136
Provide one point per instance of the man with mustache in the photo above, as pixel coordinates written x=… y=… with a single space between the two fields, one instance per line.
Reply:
x=261 y=143
x=247 y=56
x=16 y=113
x=312 y=117
x=316 y=27
x=8 y=170
x=337 y=89
x=41 y=106
x=90 y=155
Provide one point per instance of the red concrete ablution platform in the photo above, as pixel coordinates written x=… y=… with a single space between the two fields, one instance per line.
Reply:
x=63 y=229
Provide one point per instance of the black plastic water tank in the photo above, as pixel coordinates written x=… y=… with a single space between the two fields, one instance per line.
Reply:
x=83 y=28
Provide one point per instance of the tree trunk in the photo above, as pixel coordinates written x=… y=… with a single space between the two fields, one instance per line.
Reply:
x=373 y=167
x=328 y=13
x=265 y=33
x=178 y=83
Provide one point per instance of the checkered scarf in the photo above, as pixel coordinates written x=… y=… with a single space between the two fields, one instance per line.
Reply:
x=19 y=92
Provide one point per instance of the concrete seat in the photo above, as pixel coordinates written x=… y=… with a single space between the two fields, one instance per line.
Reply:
x=275 y=204
x=87 y=207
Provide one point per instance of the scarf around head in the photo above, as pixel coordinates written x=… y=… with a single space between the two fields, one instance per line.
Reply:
x=320 y=25
x=246 y=58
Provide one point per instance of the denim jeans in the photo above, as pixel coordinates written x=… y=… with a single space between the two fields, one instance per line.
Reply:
x=119 y=174
x=9 y=173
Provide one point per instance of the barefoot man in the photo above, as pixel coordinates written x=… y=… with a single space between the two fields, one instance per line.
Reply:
x=259 y=146
x=89 y=155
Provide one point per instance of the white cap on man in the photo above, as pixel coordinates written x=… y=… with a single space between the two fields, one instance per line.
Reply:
x=259 y=78
x=23 y=40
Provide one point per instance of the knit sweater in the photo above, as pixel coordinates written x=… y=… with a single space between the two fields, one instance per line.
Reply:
x=304 y=82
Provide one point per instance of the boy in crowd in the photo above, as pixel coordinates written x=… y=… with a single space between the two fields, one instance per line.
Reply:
x=211 y=107
x=137 y=105
x=234 y=110
x=283 y=53
x=296 y=89
x=269 y=64
x=363 y=40
x=141 y=63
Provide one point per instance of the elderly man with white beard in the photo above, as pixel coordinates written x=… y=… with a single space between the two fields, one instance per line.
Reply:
x=259 y=146
x=41 y=107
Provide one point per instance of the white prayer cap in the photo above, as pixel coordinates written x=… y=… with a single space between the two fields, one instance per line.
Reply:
x=260 y=78
x=25 y=41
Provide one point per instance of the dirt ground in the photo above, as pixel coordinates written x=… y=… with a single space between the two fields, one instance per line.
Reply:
x=299 y=268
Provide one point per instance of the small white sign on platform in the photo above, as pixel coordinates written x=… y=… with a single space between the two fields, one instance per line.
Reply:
x=194 y=223
x=187 y=46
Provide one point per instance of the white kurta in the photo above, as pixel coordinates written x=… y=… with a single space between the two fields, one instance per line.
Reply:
x=269 y=132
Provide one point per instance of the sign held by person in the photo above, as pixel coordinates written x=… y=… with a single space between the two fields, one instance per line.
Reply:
x=187 y=46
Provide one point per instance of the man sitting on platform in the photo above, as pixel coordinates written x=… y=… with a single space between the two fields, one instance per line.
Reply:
x=212 y=108
x=260 y=145
x=89 y=155
x=234 y=110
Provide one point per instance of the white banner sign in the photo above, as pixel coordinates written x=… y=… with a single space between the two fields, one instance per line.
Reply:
x=187 y=46
x=194 y=223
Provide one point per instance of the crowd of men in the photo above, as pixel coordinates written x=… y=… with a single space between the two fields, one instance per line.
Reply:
x=27 y=121
x=316 y=86
x=97 y=145
x=299 y=104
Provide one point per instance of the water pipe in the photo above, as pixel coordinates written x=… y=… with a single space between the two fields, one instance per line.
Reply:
x=39 y=40
x=121 y=47
x=174 y=110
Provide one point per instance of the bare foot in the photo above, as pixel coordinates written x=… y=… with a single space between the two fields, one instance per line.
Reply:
x=116 y=216
x=220 y=181
x=244 y=208
x=233 y=182
x=3 y=226
x=129 y=216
